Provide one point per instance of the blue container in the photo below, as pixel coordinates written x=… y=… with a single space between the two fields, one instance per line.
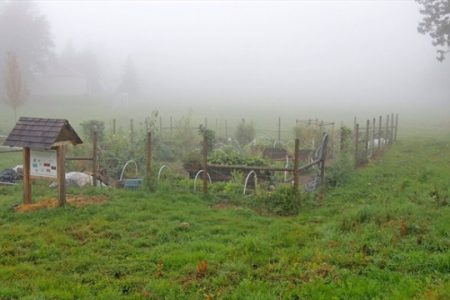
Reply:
x=132 y=183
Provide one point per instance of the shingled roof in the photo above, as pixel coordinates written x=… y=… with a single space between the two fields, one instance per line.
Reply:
x=38 y=133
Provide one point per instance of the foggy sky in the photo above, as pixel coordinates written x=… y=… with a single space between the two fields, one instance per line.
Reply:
x=261 y=52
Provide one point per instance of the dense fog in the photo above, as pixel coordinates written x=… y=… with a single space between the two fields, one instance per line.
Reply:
x=280 y=57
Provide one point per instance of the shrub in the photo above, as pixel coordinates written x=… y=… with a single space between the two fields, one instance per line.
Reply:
x=282 y=201
x=340 y=172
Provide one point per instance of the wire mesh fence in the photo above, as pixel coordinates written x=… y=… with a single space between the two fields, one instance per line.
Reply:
x=175 y=145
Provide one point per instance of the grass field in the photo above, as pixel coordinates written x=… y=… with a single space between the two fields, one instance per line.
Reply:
x=383 y=235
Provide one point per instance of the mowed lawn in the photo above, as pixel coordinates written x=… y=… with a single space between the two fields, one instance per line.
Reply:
x=384 y=235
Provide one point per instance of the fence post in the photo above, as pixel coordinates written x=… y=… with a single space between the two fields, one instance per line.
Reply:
x=26 y=176
x=131 y=132
x=323 y=158
x=366 y=149
x=205 y=164
x=61 y=174
x=279 y=128
x=380 y=121
x=374 y=125
x=396 y=126
x=392 y=128
x=94 y=159
x=356 y=143
x=387 y=131
x=226 y=130
x=332 y=140
x=148 y=171
x=296 y=163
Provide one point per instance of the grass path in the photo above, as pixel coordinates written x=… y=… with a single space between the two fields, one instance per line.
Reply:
x=385 y=235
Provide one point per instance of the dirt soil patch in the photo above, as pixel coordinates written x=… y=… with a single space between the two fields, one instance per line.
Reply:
x=77 y=201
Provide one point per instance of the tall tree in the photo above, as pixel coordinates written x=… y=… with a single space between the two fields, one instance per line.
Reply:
x=15 y=89
x=25 y=32
x=436 y=23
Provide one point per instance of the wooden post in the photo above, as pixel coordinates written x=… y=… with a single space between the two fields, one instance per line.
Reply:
x=392 y=128
x=323 y=158
x=131 y=132
x=94 y=159
x=396 y=126
x=380 y=122
x=205 y=164
x=148 y=169
x=171 y=126
x=114 y=126
x=296 y=163
x=332 y=140
x=387 y=130
x=26 y=176
x=319 y=124
x=61 y=174
x=226 y=130
x=366 y=149
x=374 y=126
x=356 y=143
x=279 y=128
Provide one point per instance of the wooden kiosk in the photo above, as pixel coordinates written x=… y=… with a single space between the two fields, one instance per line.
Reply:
x=45 y=140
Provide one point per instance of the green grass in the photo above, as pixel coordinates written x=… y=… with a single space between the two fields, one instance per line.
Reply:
x=384 y=235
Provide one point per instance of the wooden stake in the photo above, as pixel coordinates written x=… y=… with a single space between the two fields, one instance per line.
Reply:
x=323 y=158
x=387 y=130
x=205 y=164
x=396 y=126
x=26 y=176
x=61 y=174
x=149 y=157
x=356 y=143
x=392 y=128
x=279 y=128
x=94 y=159
x=367 y=140
x=131 y=132
x=374 y=126
x=332 y=140
x=380 y=122
x=226 y=130
x=296 y=163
